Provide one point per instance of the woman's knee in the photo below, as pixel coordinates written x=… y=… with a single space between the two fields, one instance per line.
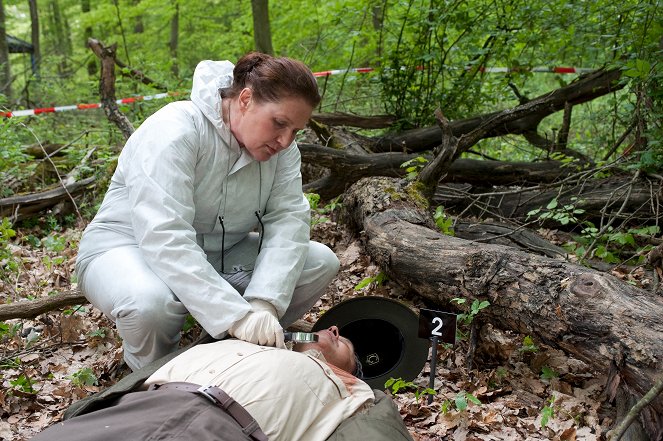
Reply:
x=322 y=259
x=150 y=306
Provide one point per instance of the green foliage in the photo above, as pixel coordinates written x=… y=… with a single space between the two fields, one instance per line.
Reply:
x=476 y=307
x=608 y=244
x=318 y=212
x=8 y=331
x=398 y=385
x=376 y=280
x=413 y=167
x=443 y=221
x=613 y=246
x=98 y=333
x=13 y=158
x=76 y=309
x=23 y=383
x=54 y=243
x=7 y=260
x=547 y=412
x=462 y=399
x=528 y=345
x=189 y=323
x=565 y=214
x=84 y=377
x=466 y=318
x=548 y=373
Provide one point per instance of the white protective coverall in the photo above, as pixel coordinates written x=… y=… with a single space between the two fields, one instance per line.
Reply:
x=153 y=252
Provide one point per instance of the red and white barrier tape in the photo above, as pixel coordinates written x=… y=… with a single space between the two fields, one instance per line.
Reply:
x=326 y=73
x=558 y=70
x=38 y=111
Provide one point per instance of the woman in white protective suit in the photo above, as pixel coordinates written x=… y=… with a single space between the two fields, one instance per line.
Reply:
x=205 y=214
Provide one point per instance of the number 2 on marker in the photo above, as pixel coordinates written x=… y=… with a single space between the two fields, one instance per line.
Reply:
x=436 y=331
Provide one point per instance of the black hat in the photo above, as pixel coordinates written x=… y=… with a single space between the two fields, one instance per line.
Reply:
x=385 y=336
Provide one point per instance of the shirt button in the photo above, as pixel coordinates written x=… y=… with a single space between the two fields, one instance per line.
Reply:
x=240 y=354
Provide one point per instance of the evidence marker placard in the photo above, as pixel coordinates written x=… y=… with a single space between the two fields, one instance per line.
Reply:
x=438 y=324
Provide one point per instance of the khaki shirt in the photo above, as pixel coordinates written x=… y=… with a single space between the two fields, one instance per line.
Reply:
x=292 y=396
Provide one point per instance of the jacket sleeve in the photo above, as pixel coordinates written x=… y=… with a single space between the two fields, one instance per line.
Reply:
x=286 y=235
x=159 y=175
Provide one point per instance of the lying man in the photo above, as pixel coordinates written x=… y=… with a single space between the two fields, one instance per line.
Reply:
x=304 y=394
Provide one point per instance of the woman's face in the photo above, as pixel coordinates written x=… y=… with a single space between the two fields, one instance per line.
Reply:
x=266 y=128
x=337 y=350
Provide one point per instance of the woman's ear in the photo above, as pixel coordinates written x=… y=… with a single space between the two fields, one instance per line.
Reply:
x=245 y=99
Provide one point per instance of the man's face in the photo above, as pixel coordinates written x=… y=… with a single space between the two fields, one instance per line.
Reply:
x=266 y=128
x=337 y=350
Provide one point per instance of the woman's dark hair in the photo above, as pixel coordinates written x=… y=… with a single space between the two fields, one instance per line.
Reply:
x=273 y=78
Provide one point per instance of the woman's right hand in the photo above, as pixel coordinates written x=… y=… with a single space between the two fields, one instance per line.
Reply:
x=260 y=326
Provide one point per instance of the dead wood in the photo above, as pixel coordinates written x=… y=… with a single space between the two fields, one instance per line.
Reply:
x=107 y=86
x=29 y=309
x=608 y=324
x=346 y=168
x=22 y=206
x=39 y=151
x=521 y=120
x=616 y=197
x=125 y=70
x=348 y=120
x=508 y=235
x=32 y=308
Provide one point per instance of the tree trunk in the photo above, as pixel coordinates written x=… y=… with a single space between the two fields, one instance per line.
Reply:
x=174 y=39
x=139 y=27
x=5 y=67
x=610 y=325
x=59 y=37
x=262 y=35
x=34 y=37
x=91 y=66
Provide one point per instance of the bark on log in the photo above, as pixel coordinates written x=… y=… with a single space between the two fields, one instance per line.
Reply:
x=609 y=324
x=32 y=308
x=502 y=234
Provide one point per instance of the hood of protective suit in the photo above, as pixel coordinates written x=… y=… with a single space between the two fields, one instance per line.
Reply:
x=208 y=78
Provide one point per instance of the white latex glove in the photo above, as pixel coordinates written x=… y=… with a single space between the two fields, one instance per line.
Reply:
x=260 y=326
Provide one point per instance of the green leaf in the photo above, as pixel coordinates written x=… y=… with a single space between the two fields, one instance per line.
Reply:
x=461 y=401
x=473 y=399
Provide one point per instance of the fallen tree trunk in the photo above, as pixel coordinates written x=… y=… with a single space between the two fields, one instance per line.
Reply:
x=347 y=168
x=32 y=308
x=585 y=89
x=624 y=198
x=610 y=325
x=23 y=206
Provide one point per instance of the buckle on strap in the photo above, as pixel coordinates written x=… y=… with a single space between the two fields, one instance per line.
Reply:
x=212 y=394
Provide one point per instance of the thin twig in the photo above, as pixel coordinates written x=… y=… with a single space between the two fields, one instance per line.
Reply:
x=618 y=432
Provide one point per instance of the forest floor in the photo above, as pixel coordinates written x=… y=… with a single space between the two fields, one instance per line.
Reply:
x=526 y=390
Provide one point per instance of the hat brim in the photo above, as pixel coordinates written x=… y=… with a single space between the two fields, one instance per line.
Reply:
x=384 y=333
